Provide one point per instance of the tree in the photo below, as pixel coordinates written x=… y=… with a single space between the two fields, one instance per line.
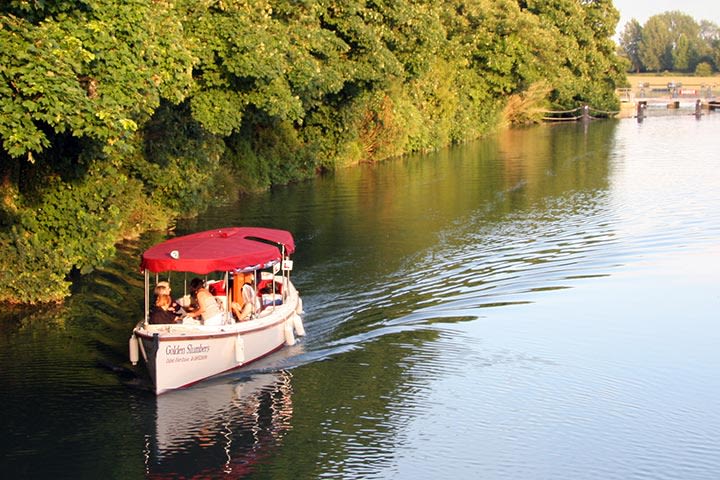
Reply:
x=710 y=38
x=630 y=41
x=670 y=37
x=656 y=46
x=681 y=54
x=78 y=82
x=581 y=61
x=703 y=69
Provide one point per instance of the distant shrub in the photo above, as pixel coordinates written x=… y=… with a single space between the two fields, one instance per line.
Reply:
x=527 y=107
x=268 y=152
x=703 y=69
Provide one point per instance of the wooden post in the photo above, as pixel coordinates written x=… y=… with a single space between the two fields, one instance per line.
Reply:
x=641 y=106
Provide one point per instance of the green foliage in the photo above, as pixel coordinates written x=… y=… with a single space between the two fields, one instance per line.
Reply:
x=580 y=56
x=69 y=225
x=96 y=72
x=178 y=162
x=478 y=110
x=267 y=153
x=121 y=115
x=36 y=10
x=273 y=58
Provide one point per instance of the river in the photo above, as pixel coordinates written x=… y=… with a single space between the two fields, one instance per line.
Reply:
x=541 y=304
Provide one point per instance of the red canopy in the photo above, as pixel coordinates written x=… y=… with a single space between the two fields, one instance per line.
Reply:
x=225 y=249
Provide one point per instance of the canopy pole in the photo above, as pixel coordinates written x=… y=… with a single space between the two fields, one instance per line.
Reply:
x=228 y=310
x=286 y=276
x=147 y=297
x=255 y=289
x=273 y=287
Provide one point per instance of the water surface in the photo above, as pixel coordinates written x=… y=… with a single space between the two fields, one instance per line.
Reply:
x=540 y=304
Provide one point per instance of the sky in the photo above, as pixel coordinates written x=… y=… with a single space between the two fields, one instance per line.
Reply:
x=641 y=10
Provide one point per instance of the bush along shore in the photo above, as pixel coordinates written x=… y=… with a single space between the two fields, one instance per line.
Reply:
x=119 y=117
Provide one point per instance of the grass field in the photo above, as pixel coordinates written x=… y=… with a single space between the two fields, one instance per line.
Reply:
x=663 y=80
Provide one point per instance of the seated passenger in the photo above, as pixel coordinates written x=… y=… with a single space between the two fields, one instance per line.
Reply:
x=161 y=312
x=207 y=309
x=248 y=304
x=163 y=288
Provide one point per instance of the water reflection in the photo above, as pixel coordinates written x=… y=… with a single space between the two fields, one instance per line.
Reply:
x=482 y=226
x=219 y=427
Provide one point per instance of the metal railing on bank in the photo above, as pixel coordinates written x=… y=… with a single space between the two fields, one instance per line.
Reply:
x=584 y=112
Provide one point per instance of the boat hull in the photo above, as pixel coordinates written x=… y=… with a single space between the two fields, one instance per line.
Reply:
x=177 y=356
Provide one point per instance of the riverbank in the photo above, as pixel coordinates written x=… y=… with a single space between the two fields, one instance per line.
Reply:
x=666 y=88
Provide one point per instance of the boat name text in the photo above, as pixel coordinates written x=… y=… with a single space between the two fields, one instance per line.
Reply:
x=186 y=349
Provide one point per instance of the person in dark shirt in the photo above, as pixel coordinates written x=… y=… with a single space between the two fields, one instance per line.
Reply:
x=163 y=288
x=162 y=311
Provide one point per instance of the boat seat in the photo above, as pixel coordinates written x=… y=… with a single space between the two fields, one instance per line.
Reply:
x=216 y=287
x=267 y=300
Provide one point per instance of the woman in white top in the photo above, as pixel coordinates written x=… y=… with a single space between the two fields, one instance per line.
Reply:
x=207 y=309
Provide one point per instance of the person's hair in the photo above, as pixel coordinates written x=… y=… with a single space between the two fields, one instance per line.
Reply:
x=162 y=300
x=196 y=284
x=162 y=288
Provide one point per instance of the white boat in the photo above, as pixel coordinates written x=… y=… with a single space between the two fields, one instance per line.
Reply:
x=180 y=354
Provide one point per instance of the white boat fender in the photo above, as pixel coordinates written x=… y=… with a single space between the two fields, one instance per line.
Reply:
x=299 y=307
x=289 y=336
x=298 y=324
x=134 y=350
